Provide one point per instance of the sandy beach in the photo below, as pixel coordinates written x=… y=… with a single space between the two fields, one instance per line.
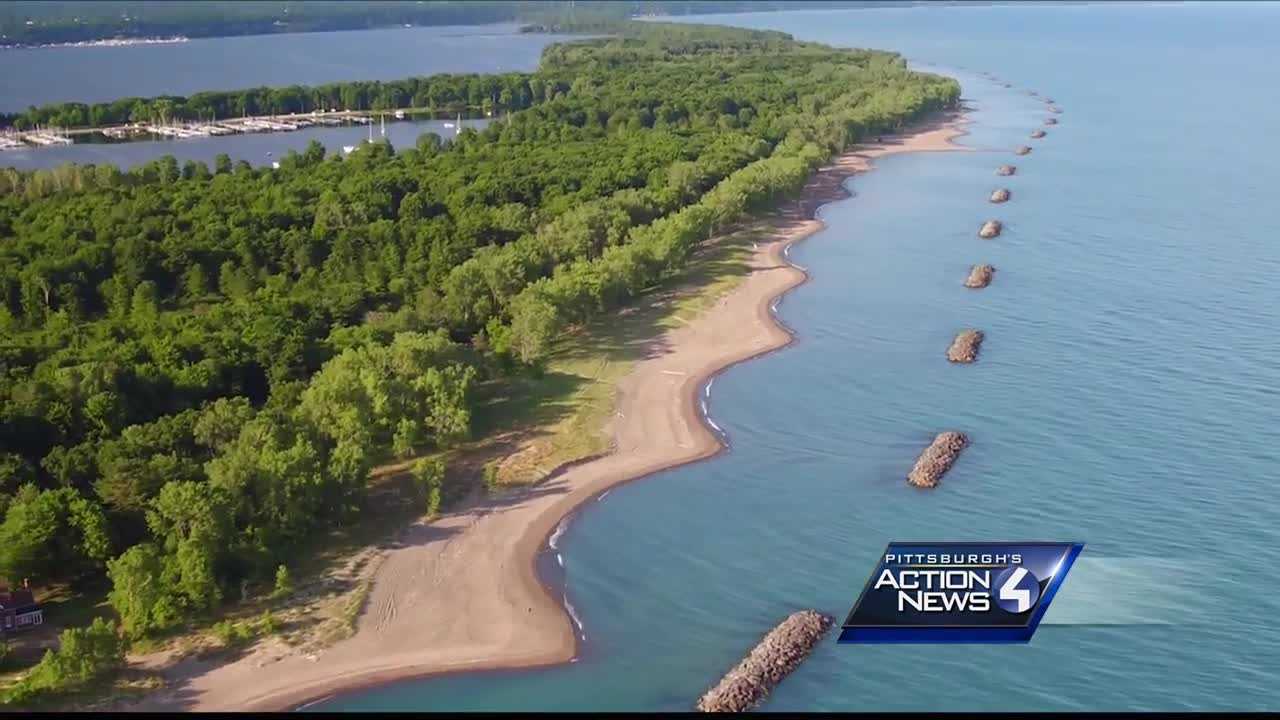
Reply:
x=461 y=593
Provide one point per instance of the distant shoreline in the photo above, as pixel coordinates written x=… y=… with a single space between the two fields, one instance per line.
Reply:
x=501 y=613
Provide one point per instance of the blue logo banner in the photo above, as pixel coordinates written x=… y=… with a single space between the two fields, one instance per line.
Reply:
x=995 y=592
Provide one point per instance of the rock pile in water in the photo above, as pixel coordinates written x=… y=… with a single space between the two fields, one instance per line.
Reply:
x=937 y=459
x=1051 y=121
x=1038 y=134
x=1022 y=150
x=999 y=196
x=979 y=276
x=768 y=663
x=1055 y=109
x=964 y=349
x=990 y=229
x=1006 y=170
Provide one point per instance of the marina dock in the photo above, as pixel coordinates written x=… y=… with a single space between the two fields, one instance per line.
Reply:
x=46 y=137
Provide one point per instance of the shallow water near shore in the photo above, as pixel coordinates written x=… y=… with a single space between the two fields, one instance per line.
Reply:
x=1125 y=396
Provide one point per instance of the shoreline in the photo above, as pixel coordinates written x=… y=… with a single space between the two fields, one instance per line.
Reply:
x=502 y=614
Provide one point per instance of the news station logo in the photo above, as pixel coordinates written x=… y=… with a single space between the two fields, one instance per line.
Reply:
x=959 y=592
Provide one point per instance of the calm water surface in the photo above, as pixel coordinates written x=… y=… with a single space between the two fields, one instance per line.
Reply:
x=37 y=76
x=1126 y=395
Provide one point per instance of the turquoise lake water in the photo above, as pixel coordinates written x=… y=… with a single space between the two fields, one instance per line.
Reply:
x=1127 y=396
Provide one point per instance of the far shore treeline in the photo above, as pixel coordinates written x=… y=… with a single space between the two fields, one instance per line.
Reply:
x=201 y=365
x=33 y=22
x=486 y=93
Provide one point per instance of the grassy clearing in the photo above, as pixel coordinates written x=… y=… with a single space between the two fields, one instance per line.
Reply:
x=564 y=414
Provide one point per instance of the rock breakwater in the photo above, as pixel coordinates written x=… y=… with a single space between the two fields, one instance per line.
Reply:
x=964 y=348
x=937 y=459
x=979 y=276
x=769 y=662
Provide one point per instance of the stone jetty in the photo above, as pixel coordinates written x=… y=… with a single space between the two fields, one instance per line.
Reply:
x=768 y=663
x=937 y=459
x=964 y=349
x=979 y=276
x=990 y=229
x=1006 y=170
x=999 y=196
x=1038 y=134
x=1022 y=150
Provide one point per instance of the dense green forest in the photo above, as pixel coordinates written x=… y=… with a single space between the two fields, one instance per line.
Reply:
x=30 y=22
x=486 y=93
x=200 y=365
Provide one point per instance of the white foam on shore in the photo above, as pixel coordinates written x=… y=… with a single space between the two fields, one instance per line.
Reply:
x=554 y=542
x=708 y=388
x=604 y=495
x=713 y=424
x=560 y=559
x=574 y=615
x=313 y=702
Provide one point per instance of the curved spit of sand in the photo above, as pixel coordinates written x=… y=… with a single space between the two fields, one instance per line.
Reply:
x=462 y=593
x=768 y=663
x=979 y=276
x=964 y=349
x=937 y=459
x=999 y=196
x=990 y=229
x=1006 y=170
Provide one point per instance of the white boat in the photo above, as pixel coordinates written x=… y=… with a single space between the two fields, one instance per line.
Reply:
x=348 y=149
x=399 y=114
